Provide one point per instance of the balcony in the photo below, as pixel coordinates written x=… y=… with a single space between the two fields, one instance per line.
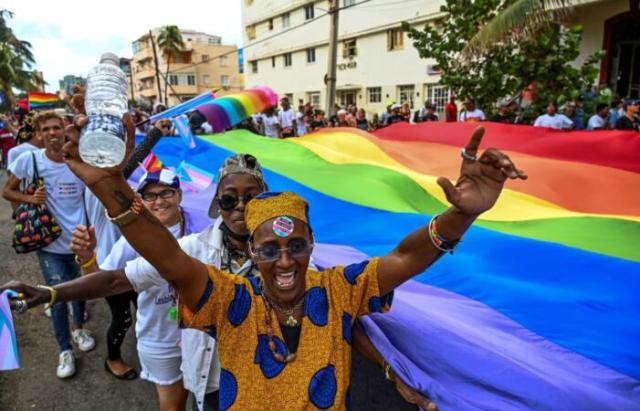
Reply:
x=143 y=54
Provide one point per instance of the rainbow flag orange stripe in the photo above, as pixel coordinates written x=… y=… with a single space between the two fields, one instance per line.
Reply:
x=42 y=100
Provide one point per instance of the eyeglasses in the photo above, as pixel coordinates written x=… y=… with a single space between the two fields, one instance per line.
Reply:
x=297 y=247
x=168 y=193
x=228 y=202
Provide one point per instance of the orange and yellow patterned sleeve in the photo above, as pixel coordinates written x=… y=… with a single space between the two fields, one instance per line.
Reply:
x=212 y=306
x=357 y=285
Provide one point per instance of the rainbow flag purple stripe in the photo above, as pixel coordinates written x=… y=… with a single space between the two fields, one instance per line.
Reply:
x=9 y=355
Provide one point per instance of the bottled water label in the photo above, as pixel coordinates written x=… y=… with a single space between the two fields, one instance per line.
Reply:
x=106 y=123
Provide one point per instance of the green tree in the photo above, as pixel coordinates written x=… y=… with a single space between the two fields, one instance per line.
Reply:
x=170 y=43
x=504 y=70
x=16 y=60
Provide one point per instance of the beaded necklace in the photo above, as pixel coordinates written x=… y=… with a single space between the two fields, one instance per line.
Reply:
x=292 y=322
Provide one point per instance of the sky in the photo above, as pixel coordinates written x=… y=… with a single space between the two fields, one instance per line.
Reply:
x=68 y=37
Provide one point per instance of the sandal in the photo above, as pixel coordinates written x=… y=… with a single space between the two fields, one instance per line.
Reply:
x=131 y=374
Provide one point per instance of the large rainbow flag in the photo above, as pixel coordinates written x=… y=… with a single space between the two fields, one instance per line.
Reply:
x=39 y=100
x=539 y=306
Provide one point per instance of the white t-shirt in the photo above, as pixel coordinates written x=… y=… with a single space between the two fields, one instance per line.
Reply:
x=157 y=333
x=301 y=127
x=286 y=118
x=594 y=122
x=64 y=194
x=17 y=150
x=107 y=233
x=558 y=121
x=475 y=115
x=270 y=126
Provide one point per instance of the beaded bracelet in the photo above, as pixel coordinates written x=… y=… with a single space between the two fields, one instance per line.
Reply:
x=438 y=241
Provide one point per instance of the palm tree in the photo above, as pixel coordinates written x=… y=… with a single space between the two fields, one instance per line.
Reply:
x=16 y=59
x=520 y=18
x=170 y=43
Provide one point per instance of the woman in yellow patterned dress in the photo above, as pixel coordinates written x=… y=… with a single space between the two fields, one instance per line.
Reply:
x=284 y=339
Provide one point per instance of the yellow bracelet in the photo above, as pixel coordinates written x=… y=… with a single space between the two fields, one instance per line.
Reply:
x=387 y=371
x=52 y=291
x=91 y=261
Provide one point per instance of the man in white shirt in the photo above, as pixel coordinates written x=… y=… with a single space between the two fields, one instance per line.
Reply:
x=471 y=113
x=554 y=120
x=287 y=119
x=600 y=120
x=63 y=195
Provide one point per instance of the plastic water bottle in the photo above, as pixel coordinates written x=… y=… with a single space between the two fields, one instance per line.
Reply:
x=102 y=142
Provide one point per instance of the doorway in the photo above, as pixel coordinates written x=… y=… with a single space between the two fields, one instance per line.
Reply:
x=624 y=57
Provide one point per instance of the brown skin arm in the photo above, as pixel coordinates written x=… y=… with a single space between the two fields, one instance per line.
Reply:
x=476 y=191
x=145 y=233
x=11 y=192
x=364 y=346
x=98 y=285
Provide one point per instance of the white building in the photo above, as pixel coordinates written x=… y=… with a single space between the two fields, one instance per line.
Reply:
x=286 y=45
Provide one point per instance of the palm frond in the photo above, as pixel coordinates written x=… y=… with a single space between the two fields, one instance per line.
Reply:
x=521 y=18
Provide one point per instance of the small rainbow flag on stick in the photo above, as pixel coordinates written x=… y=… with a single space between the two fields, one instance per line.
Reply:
x=152 y=163
x=42 y=100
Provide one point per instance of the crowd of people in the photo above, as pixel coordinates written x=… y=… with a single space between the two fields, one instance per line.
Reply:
x=220 y=309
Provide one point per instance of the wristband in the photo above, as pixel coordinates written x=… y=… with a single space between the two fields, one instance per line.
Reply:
x=129 y=215
x=52 y=291
x=91 y=261
x=438 y=241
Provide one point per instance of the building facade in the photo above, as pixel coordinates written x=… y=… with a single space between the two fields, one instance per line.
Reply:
x=286 y=47
x=204 y=64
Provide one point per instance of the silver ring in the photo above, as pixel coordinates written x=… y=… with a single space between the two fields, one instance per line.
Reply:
x=20 y=307
x=466 y=156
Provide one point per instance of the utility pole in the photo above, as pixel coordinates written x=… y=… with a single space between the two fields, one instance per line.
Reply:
x=155 y=62
x=330 y=79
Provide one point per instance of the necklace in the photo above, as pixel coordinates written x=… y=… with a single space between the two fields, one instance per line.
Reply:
x=291 y=321
x=272 y=345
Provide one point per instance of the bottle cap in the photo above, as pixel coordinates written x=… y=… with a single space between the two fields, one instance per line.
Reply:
x=109 y=58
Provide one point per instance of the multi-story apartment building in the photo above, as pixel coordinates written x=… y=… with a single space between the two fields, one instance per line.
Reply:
x=69 y=81
x=204 y=64
x=286 y=47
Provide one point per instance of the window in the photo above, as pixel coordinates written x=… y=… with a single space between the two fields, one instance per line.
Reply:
x=406 y=93
x=348 y=3
x=349 y=48
x=251 y=32
x=270 y=24
x=223 y=61
x=286 y=20
x=375 y=94
x=224 y=80
x=314 y=99
x=182 y=79
x=205 y=79
x=214 y=40
x=287 y=59
x=254 y=66
x=273 y=61
x=205 y=58
x=438 y=95
x=311 y=55
x=309 y=12
x=395 y=39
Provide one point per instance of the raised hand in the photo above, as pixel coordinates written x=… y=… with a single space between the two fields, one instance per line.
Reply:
x=83 y=242
x=412 y=396
x=88 y=174
x=481 y=179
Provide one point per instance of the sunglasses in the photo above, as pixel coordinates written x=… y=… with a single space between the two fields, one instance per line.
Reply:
x=228 y=202
x=297 y=247
x=168 y=193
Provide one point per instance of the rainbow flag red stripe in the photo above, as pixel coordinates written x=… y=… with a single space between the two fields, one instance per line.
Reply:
x=42 y=100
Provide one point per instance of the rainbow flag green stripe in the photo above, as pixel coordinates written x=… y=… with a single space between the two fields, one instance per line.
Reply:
x=389 y=190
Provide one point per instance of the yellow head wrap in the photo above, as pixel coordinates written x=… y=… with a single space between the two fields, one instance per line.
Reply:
x=270 y=205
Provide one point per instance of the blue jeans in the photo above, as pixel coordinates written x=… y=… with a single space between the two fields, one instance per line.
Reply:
x=57 y=269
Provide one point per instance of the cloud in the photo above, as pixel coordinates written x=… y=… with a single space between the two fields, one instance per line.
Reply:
x=68 y=38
